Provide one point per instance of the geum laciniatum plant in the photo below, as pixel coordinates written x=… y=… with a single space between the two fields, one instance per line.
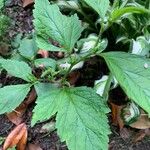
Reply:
x=81 y=114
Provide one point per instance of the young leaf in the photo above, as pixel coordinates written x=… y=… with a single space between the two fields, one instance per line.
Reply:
x=12 y=96
x=80 y=113
x=28 y=48
x=117 y=13
x=132 y=73
x=46 y=62
x=100 y=6
x=50 y=23
x=16 y=68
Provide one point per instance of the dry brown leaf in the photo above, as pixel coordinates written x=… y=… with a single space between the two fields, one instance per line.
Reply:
x=33 y=147
x=43 y=53
x=116 y=115
x=27 y=2
x=15 y=136
x=22 y=143
x=142 y=123
x=31 y=98
x=139 y=136
x=73 y=77
x=16 y=116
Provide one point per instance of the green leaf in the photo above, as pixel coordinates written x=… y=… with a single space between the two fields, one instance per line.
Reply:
x=80 y=113
x=47 y=62
x=12 y=96
x=43 y=88
x=117 y=13
x=51 y=24
x=28 y=48
x=43 y=43
x=100 y=6
x=17 y=68
x=4 y=24
x=1 y=4
x=2 y=139
x=132 y=73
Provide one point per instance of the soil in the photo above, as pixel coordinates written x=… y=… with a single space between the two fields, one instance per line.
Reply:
x=119 y=140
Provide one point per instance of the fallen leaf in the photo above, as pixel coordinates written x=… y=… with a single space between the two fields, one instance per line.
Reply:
x=33 y=147
x=139 y=136
x=27 y=2
x=116 y=115
x=15 y=137
x=60 y=54
x=43 y=53
x=73 y=77
x=31 y=97
x=16 y=116
x=22 y=143
x=142 y=123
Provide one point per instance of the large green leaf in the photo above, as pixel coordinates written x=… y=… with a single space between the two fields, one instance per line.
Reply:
x=81 y=118
x=16 y=68
x=11 y=96
x=51 y=24
x=100 y=6
x=133 y=74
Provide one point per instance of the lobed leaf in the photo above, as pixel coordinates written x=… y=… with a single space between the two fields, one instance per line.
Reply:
x=16 y=68
x=81 y=117
x=51 y=24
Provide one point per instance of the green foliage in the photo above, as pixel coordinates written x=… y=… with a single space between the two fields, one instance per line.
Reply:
x=28 y=48
x=17 y=68
x=74 y=108
x=11 y=96
x=81 y=114
x=64 y=30
x=46 y=62
x=4 y=20
x=4 y=24
x=100 y=6
x=132 y=72
x=117 y=13
x=1 y=4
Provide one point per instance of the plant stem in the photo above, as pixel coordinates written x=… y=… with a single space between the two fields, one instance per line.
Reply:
x=100 y=34
x=107 y=87
x=66 y=74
